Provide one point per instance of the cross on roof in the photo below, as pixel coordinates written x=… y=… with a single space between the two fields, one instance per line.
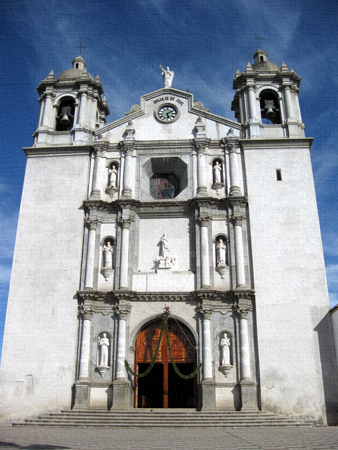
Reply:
x=258 y=38
x=81 y=46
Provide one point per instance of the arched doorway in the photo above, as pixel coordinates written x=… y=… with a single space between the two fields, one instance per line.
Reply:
x=162 y=387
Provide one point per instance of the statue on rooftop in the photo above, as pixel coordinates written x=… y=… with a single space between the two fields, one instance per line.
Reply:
x=168 y=76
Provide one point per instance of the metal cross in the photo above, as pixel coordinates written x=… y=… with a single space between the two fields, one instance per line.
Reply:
x=258 y=38
x=81 y=46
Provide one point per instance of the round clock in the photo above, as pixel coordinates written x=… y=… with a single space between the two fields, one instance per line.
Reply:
x=167 y=113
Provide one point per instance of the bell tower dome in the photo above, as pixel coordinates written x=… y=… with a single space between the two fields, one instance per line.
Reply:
x=266 y=99
x=71 y=107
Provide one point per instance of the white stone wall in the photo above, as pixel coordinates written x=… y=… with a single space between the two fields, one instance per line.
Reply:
x=289 y=278
x=41 y=331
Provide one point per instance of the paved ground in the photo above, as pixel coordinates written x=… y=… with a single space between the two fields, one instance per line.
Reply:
x=267 y=438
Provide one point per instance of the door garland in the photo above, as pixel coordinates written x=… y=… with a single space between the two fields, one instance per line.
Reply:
x=164 y=326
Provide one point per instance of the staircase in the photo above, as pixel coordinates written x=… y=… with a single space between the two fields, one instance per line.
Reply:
x=141 y=418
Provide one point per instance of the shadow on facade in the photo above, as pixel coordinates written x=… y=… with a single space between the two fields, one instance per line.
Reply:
x=329 y=368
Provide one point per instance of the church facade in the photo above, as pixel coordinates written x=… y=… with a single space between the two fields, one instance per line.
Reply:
x=171 y=237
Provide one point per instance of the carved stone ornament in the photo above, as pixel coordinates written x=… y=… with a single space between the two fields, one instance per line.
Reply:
x=226 y=369
x=165 y=261
x=133 y=109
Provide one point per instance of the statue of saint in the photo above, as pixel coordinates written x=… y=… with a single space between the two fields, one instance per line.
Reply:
x=220 y=253
x=164 y=246
x=104 y=350
x=217 y=172
x=108 y=255
x=112 y=177
x=168 y=76
x=225 y=350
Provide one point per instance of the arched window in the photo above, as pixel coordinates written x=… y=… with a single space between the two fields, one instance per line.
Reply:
x=65 y=117
x=269 y=107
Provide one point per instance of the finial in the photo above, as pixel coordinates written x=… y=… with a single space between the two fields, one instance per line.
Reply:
x=259 y=39
x=81 y=46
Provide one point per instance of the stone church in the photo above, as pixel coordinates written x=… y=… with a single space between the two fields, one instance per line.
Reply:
x=172 y=215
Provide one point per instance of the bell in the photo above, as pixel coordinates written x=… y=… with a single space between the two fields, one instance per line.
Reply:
x=65 y=120
x=270 y=114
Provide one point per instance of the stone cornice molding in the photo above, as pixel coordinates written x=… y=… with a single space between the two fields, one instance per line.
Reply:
x=276 y=144
x=57 y=150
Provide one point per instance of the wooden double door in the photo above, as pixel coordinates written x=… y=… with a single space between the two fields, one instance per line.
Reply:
x=163 y=387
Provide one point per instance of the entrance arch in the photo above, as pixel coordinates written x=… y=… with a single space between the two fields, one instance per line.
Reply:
x=162 y=387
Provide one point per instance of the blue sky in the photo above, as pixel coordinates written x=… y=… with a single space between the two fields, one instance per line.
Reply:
x=203 y=42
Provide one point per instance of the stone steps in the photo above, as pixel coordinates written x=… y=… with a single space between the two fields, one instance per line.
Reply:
x=159 y=418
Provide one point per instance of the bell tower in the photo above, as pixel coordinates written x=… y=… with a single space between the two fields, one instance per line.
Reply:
x=71 y=107
x=266 y=99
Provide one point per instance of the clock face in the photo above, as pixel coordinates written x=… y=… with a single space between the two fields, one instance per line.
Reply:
x=167 y=113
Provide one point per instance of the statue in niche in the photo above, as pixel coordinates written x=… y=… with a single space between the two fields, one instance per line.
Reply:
x=217 y=169
x=104 y=350
x=108 y=255
x=168 y=76
x=112 y=177
x=225 y=350
x=220 y=253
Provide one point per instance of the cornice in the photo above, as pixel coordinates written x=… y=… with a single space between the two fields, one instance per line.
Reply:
x=212 y=298
x=66 y=150
x=276 y=144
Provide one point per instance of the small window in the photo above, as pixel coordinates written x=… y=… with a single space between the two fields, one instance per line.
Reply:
x=279 y=174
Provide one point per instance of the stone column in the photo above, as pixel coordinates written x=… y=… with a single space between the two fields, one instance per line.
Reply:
x=244 y=343
x=248 y=386
x=252 y=104
x=120 y=385
x=124 y=263
x=207 y=345
x=239 y=252
x=288 y=103
x=234 y=178
x=48 y=112
x=201 y=176
x=83 y=109
x=98 y=175
x=208 y=384
x=205 y=266
x=121 y=344
x=90 y=255
x=127 y=191
x=85 y=345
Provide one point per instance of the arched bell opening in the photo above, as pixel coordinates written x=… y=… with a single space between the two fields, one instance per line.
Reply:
x=65 y=117
x=163 y=387
x=269 y=104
